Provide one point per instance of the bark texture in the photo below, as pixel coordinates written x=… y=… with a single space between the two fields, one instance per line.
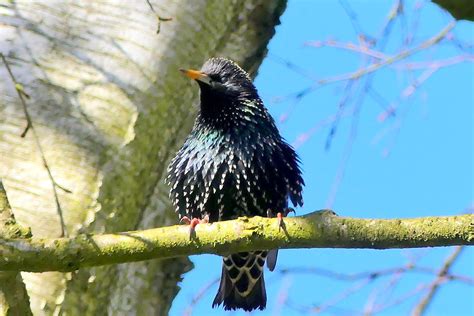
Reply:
x=321 y=229
x=109 y=109
x=13 y=297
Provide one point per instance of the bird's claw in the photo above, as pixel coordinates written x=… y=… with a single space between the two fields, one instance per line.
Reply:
x=205 y=219
x=193 y=223
x=289 y=210
x=280 y=215
x=185 y=220
x=281 y=223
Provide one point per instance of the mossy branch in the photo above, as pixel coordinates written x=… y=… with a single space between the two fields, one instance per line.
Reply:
x=322 y=229
x=14 y=299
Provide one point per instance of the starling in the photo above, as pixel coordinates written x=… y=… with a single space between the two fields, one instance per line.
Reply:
x=234 y=163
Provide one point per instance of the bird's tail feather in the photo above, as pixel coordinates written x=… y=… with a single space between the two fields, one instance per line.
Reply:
x=242 y=284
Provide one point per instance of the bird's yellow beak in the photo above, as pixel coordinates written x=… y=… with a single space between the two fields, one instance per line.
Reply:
x=196 y=75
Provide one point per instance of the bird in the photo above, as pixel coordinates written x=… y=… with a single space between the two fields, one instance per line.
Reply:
x=234 y=163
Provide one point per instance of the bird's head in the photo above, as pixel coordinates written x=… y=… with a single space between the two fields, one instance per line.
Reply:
x=226 y=89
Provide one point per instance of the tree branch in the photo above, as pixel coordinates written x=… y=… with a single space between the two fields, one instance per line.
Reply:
x=442 y=277
x=22 y=95
x=321 y=229
x=14 y=299
x=391 y=60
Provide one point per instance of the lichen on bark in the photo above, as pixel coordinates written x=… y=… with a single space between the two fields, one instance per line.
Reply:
x=110 y=108
x=322 y=229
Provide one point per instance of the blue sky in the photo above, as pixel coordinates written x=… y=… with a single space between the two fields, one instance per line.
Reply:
x=418 y=162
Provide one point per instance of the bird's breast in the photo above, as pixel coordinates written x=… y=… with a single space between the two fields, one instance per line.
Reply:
x=226 y=177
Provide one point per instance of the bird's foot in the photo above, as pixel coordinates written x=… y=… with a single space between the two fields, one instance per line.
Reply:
x=193 y=222
x=280 y=215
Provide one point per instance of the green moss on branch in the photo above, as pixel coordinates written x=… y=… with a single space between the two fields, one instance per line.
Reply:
x=14 y=299
x=321 y=229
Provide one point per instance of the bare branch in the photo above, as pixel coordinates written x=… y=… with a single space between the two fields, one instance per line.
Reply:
x=14 y=299
x=321 y=229
x=158 y=17
x=203 y=291
x=420 y=308
x=348 y=46
x=21 y=94
x=400 y=56
x=407 y=268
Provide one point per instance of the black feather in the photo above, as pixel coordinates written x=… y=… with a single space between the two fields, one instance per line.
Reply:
x=235 y=163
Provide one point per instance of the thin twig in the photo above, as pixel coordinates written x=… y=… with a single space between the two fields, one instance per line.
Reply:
x=377 y=65
x=352 y=18
x=292 y=66
x=342 y=296
x=435 y=63
x=282 y=297
x=189 y=310
x=358 y=106
x=348 y=147
x=400 y=299
x=408 y=268
x=420 y=308
x=21 y=94
x=385 y=291
x=406 y=93
x=348 y=88
x=402 y=55
x=158 y=17
x=302 y=138
x=55 y=185
x=348 y=46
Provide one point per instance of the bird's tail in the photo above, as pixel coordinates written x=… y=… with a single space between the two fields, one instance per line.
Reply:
x=242 y=285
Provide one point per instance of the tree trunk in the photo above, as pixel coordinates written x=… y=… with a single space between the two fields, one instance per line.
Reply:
x=13 y=297
x=108 y=108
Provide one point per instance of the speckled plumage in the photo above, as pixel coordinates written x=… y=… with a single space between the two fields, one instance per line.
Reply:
x=234 y=163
